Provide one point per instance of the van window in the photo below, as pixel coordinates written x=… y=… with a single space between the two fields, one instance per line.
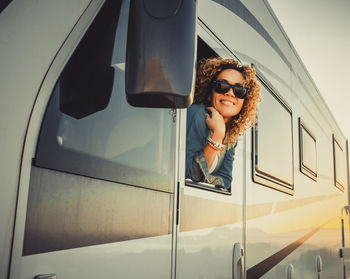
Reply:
x=273 y=144
x=339 y=164
x=208 y=48
x=308 y=156
x=114 y=142
x=4 y=4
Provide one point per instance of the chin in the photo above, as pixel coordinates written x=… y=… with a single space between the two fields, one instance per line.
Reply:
x=229 y=114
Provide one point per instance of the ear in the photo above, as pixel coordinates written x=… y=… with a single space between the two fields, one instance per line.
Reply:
x=210 y=99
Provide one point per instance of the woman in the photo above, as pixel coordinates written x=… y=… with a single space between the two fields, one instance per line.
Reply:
x=225 y=102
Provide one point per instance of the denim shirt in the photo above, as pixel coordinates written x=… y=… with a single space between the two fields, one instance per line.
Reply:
x=197 y=167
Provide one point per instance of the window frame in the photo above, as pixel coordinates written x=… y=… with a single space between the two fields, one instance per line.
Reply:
x=207 y=187
x=220 y=46
x=303 y=167
x=261 y=177
x=82 y=157
x=336 y=182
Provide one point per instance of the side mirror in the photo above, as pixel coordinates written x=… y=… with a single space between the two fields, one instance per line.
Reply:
x=161 y=52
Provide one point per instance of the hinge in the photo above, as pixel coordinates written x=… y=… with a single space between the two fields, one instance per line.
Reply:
x=172 y=113
x=178 y=203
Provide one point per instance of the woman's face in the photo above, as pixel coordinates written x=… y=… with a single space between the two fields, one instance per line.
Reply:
x=227 y=104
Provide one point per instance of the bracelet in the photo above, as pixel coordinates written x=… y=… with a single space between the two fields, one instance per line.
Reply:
x=215 y=144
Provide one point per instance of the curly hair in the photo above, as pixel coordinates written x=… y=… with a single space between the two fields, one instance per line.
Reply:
x=207 y=71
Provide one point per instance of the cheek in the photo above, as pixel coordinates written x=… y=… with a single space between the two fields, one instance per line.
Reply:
x=240 y=104
x=213 y=98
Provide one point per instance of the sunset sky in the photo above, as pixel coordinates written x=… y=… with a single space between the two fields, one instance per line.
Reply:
x=320 y=32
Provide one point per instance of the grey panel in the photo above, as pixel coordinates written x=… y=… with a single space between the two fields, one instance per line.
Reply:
x=68 y=211
x=199 y=213
x=266 y=69
x=242 y=11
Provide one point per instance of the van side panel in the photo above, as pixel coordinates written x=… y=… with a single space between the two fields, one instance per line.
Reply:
x=31 y=33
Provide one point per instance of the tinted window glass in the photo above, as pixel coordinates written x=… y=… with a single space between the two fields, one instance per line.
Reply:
x=3 y=4
x=339 y=165
x=308 y=161
x=118 y=143
x=273 y=144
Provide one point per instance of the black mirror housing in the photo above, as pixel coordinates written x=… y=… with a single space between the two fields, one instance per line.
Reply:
x=161 y=53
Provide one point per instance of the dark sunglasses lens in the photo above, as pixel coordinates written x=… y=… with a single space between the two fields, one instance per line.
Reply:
x=221 y=86
x=240 y=92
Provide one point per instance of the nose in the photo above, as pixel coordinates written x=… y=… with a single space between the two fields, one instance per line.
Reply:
x=230 y=93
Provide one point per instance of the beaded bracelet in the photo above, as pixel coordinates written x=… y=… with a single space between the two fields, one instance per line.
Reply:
x=218 y=145
x=215 y=147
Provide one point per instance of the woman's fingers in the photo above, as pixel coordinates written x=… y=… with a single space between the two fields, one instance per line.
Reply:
x=215 y=121
x=214 y=113
x=212 y=109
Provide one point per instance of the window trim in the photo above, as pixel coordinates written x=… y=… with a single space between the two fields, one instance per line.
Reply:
x=259 y=176
x=302 y=167
x=222 y=49
x=336 y=183
x=207 y=187
x=64 y=55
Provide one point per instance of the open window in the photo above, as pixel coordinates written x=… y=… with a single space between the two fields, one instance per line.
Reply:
x=273 y=143
x=208 y=47
x=307 y=151
x=205 y=51
x=339 y=164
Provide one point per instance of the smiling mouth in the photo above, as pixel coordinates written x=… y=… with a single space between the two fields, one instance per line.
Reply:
x=226 y=102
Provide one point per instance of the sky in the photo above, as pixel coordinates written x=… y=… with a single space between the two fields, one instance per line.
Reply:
x=320 y=32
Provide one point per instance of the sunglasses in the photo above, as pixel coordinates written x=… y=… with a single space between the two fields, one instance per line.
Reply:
x=222 y=87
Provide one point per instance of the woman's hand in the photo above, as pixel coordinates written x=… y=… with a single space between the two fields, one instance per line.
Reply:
x=216 y=124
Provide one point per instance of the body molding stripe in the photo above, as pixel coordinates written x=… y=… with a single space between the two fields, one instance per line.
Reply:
x=266 y=265
x=240 y=10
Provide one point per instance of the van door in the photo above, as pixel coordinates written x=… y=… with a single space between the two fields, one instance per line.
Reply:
x=97 y=181
x=210 y=240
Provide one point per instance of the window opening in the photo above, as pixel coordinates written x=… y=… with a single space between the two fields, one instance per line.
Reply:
x=339 y=164
x=308 y=151
x=273 y=143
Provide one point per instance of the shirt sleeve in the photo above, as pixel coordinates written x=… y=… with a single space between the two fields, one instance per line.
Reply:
x=196 y=138
x=225 y=170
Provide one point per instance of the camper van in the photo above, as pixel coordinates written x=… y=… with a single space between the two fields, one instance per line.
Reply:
x=93 y=104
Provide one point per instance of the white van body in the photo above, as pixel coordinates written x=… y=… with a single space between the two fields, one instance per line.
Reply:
x=106 y=196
